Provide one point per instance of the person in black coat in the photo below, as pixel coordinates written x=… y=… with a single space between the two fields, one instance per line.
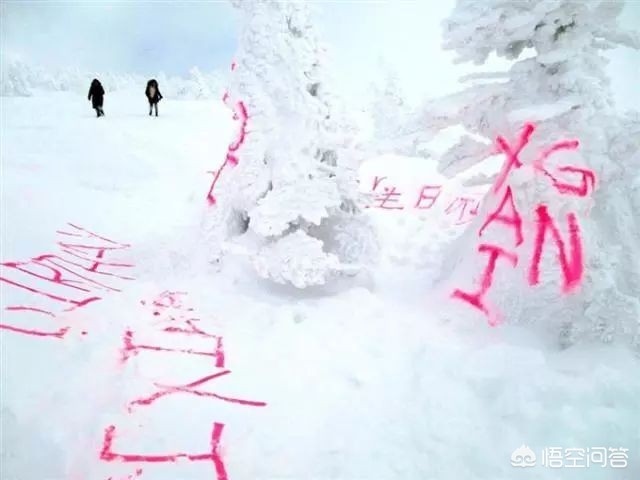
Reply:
x=153 y=95
x=96 y=95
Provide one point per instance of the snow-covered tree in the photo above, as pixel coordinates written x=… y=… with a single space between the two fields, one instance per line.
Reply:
x=15 y=79
x=556 y=89
x=197 y=85
x=389 y=109
x=294 y=191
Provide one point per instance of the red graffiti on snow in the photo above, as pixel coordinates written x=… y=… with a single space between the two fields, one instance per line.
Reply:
x=75 y=303
x=460 y=204
x=377 y=181
x=130 y=349
x=231 y=158
x=430 y=197
x=95 y=264
x=64 y=273
x=240 y=114
x=512 y=154
x=389 y=199
x=90 y=234
x=193 y=330
x=587 y=181
x=51 y=263
x=190 y=388
x=168 y=299
x=108 y=455
x=513 y=219
x=572 y=264
x=556 y=147
x=30 y=309
x=506 y=214
x=169 y=307
x=486 y=280
x=36 y=333
x=184 y=323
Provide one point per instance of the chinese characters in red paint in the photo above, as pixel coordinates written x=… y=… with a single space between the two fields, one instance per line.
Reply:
x=428 y=196
x=463 y=209
x=460 y=209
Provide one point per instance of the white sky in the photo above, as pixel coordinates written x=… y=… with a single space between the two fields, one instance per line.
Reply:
x=151 y=36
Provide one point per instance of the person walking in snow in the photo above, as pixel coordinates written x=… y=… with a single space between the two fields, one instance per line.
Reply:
x=96 y=95
x=153 y=95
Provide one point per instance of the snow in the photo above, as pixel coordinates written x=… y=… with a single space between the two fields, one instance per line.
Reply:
x=377 y=377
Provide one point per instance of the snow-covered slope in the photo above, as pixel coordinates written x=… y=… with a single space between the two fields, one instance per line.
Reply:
x=377 y=379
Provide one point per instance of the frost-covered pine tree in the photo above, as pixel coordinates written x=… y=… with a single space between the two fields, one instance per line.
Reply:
x=15 y=81
x=200 y=88
x=293 y=195
x=389 y=108
x=558 y=84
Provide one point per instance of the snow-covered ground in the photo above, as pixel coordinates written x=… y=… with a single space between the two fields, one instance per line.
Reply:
x=376 y=379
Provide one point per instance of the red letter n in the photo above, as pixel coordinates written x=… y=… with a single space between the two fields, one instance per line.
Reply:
x=572 y=264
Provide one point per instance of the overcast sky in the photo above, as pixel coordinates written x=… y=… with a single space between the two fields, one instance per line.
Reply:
x=147 y=37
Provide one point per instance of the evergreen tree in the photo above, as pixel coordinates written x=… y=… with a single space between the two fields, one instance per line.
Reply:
x=294 y=191
x=556 y=90
x=389 y=111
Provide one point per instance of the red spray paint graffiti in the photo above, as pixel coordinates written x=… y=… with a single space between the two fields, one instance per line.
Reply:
x=506 y=215
x=512 y=154
x=571 y=265
x=389 y=199
x=430 y=194
x=476 y=299
x=213 y=455
x=512 y=220
x=231 y=158
x=65 y=281
x=130 y=349
x=461 y=209
x=459 y=205
x=166 y=390
x=173 y=319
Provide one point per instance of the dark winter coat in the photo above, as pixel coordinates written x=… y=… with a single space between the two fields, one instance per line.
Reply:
x=156 y=96
x=96 y=93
